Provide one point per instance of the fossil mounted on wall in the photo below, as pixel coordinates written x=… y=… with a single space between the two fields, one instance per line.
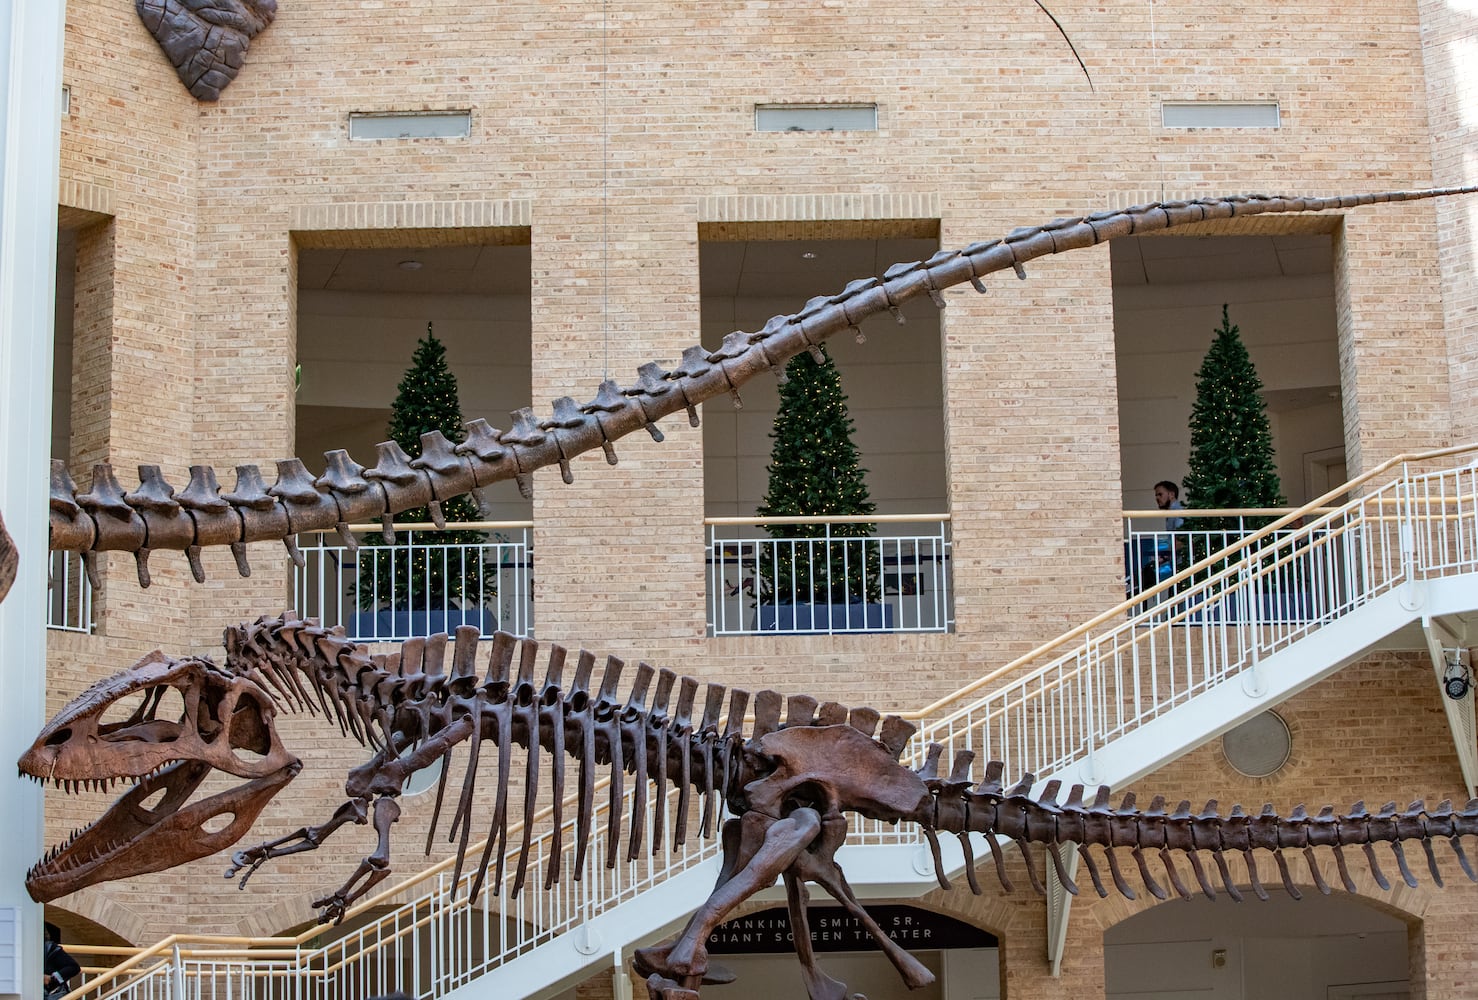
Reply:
x=206 y=40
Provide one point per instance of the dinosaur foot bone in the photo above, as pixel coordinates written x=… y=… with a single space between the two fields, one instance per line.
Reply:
x=661 y=988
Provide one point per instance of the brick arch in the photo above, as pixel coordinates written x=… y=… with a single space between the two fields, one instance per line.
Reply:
x=1402 y=902
x=96 y=918
x=1409 y=906
x=993 y=911
x=285 y=918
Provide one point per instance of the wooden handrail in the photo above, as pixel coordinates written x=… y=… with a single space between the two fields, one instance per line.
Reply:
x=366 y=527
x=1195 y=512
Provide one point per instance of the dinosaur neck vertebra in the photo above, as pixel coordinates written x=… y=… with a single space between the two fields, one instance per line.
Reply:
x=154 y=516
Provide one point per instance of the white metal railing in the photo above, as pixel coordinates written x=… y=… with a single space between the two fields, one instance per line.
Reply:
x=1153 y=556
x=379 y=593
x=441 y=936
x=69 y=595
x=895 y=579
x=1213 y=621
x=1045 y=711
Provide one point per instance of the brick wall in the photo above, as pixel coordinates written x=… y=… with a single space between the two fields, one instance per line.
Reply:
x=985 y=123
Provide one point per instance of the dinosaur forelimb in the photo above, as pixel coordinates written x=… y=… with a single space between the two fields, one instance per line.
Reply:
x=308 y=838
x=371 y=871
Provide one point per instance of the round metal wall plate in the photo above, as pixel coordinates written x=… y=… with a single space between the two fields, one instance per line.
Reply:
x=1259 y=746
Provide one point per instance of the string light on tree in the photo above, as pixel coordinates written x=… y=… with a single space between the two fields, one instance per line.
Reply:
x=426 y=400
x=1231 y=462
x=814 y=470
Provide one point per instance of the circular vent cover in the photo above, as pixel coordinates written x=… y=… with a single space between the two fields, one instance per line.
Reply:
x=1259 y=746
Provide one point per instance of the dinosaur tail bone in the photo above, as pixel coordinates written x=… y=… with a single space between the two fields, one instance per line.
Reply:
x=1015 y=814
x=107 y=518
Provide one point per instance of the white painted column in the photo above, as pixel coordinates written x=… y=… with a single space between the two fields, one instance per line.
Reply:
x=30 y=136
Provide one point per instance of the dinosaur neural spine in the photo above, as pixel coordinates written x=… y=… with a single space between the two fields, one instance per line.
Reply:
x=154 y=516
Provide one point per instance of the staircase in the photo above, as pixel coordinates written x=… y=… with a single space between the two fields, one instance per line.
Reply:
x=1107 y=703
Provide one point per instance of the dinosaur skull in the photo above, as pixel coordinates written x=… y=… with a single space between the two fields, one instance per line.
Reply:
x=163 y=725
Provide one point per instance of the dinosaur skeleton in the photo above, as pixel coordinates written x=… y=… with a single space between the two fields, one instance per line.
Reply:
x=788 y=779
x=153 y=516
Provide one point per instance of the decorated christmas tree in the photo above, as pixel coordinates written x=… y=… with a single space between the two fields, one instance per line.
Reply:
x=814 y=471
x=1231 y=461
x=424 y=574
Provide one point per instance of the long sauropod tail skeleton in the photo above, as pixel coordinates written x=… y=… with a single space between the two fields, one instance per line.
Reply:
x=154 y=516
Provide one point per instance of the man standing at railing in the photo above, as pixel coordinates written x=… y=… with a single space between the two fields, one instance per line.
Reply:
x=60 y=967
x=1167 y=497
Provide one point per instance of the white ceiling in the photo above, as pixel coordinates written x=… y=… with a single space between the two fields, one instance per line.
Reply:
x=451 y=270
x=769 y=269
x=766 y=269
x=1173 y=260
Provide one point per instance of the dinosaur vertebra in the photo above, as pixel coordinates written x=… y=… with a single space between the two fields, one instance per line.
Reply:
x=789 y=779
x=154 y=516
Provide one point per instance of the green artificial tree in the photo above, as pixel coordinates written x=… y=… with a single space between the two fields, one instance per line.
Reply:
x=1231 y=442
x=416 y=578
x=814 y=471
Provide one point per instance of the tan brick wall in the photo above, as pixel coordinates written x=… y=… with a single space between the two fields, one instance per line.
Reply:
x=130 y=154
x=1452 y=86
x=985 y=124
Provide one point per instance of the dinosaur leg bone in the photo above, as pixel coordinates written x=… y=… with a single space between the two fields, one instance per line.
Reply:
x=371 y=871
x=684 y=960
x=308 y=838
x=820 y=866
x=819 y=986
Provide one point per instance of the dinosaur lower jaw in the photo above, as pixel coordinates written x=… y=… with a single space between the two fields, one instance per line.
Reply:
x=130 y=839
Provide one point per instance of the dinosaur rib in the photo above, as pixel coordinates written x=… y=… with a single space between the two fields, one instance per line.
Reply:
x=154 y=516
x=651 y=745
x=291 y=652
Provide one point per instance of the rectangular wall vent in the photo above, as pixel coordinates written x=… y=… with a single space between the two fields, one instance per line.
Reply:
x=66 y=101
x=410 y=124
x=816 y=117
x=1220 y=114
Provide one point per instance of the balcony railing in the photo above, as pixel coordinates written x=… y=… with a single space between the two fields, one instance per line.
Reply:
x=69 y=596
x=1293 y=590
x=380 y=594
x=897 y=579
